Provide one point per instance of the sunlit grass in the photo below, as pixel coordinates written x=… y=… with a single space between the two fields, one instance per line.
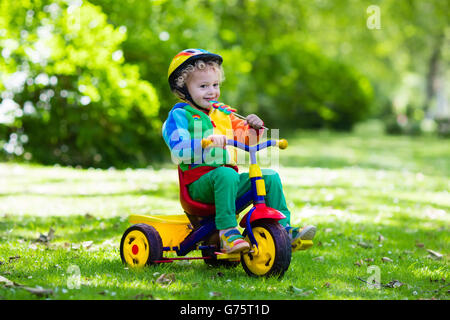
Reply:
x=371 y=197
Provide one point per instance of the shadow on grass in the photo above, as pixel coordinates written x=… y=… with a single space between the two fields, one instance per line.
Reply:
x=73 y=228
x=167 y=190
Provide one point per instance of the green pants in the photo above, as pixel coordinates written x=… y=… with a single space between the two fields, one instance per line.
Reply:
x=222 y=186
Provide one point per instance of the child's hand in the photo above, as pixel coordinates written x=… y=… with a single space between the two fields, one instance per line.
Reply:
x=254 y=121
x=219 y=140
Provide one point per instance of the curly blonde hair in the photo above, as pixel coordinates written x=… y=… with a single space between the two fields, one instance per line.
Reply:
x=199 y=65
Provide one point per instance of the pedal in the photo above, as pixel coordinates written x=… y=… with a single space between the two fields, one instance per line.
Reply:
x=228 y=256
x=300 y=244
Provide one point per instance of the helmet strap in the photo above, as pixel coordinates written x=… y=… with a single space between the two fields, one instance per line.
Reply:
x=188 y=97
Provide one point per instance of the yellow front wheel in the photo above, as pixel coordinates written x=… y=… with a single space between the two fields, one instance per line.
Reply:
x=272 y=257
x=141 y=245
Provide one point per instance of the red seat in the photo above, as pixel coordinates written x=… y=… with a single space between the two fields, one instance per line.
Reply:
x=193 y=207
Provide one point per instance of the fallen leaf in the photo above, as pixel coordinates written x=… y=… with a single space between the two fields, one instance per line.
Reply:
x=365 y=245
x=50 y=234
x=307 y=293
x=215 y=294
x=435 y=255
x=295 y=290
x=301 y=292
x=14 y=258
x=380 y=238
x=327 y=284
x=41 y=292
x=320 y=259
x=369 y=260
x=87 y=244
x=419 y=245
x=394 y=284
x=166 y=279
x=359 y=263
x=45 y=238
x=386 y=259
x=6 y=282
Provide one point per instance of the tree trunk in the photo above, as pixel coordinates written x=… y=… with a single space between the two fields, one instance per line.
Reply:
x=433 y=73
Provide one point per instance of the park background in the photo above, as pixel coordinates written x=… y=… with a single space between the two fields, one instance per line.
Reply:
x=359 y=88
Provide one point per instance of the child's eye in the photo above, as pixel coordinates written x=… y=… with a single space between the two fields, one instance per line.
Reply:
x=203 y=86
x=216 y=85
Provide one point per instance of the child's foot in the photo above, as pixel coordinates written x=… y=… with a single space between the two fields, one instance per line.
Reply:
x=296 y=235
x=231 y=241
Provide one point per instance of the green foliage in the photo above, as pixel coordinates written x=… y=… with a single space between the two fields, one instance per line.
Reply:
x=308 y=90
x=85 y=82
x=82 y=105
x=405 y=58
x=261 y=76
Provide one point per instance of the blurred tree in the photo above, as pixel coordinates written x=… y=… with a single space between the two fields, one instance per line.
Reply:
x=87 y=84
x=246 y=34
x=71 y=99
x=403 y=58
x=157 y=31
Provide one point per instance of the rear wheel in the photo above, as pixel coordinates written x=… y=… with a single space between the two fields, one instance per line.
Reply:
x=140 y=245
x=272 y=257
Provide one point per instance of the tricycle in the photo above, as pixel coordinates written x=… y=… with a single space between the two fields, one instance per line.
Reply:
x=152 y=236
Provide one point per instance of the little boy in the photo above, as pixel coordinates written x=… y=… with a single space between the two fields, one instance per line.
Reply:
x=195 y=76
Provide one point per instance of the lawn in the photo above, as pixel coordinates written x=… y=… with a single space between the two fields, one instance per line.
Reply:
x=380 y=203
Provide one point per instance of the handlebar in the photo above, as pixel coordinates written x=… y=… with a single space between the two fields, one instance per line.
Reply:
x=282 y=144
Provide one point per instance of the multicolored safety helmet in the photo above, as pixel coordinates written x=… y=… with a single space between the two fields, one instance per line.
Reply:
x=181 y=61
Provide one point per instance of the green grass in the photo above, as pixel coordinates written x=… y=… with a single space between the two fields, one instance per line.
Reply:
x=353 y=187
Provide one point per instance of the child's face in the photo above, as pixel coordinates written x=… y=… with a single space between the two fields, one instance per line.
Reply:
x=203 y=86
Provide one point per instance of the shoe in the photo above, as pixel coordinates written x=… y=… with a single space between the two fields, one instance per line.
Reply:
x=232 y=241
x=296 y=235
